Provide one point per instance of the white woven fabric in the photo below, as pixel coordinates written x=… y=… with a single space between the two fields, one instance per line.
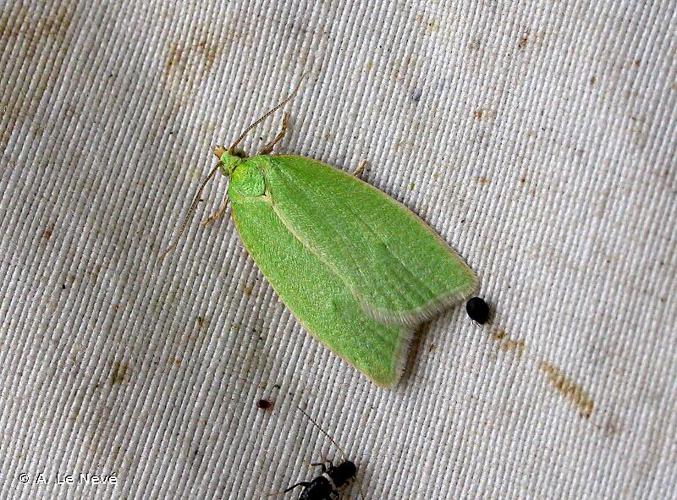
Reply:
x=538 y=138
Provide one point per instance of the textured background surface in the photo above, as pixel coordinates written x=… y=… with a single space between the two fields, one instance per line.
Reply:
x=537 y=137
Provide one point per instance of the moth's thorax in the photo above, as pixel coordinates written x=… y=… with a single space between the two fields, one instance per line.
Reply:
x=247 y=180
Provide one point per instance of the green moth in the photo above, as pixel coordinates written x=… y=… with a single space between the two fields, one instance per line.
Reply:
x=357 y=269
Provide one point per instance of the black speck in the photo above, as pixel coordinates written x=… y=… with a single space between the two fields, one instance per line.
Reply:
x=264 y=404
x=416 y=95
x=478 y=310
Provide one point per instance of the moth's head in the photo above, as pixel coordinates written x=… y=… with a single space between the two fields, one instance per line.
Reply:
x=229 y=159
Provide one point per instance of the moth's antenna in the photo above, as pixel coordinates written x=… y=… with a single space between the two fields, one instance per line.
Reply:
x=324 y=432
x=268 y=113
x=190 y=212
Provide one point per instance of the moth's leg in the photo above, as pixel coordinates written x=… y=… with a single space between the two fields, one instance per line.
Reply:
x=360 y=168
x=283 y=130
x=305 y=484
x=218 y=214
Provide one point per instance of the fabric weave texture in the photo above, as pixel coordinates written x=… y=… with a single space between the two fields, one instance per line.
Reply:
x=536 y=137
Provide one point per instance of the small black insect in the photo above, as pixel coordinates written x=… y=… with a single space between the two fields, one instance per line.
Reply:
x=326 y=485
x=478 y=310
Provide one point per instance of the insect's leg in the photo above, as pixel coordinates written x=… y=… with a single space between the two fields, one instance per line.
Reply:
x=305 y=484
x=360 y=168
x=283 y=130
x=218 y=214
x=321 y=464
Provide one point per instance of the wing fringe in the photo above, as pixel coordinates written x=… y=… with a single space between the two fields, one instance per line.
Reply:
x=418 y=315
